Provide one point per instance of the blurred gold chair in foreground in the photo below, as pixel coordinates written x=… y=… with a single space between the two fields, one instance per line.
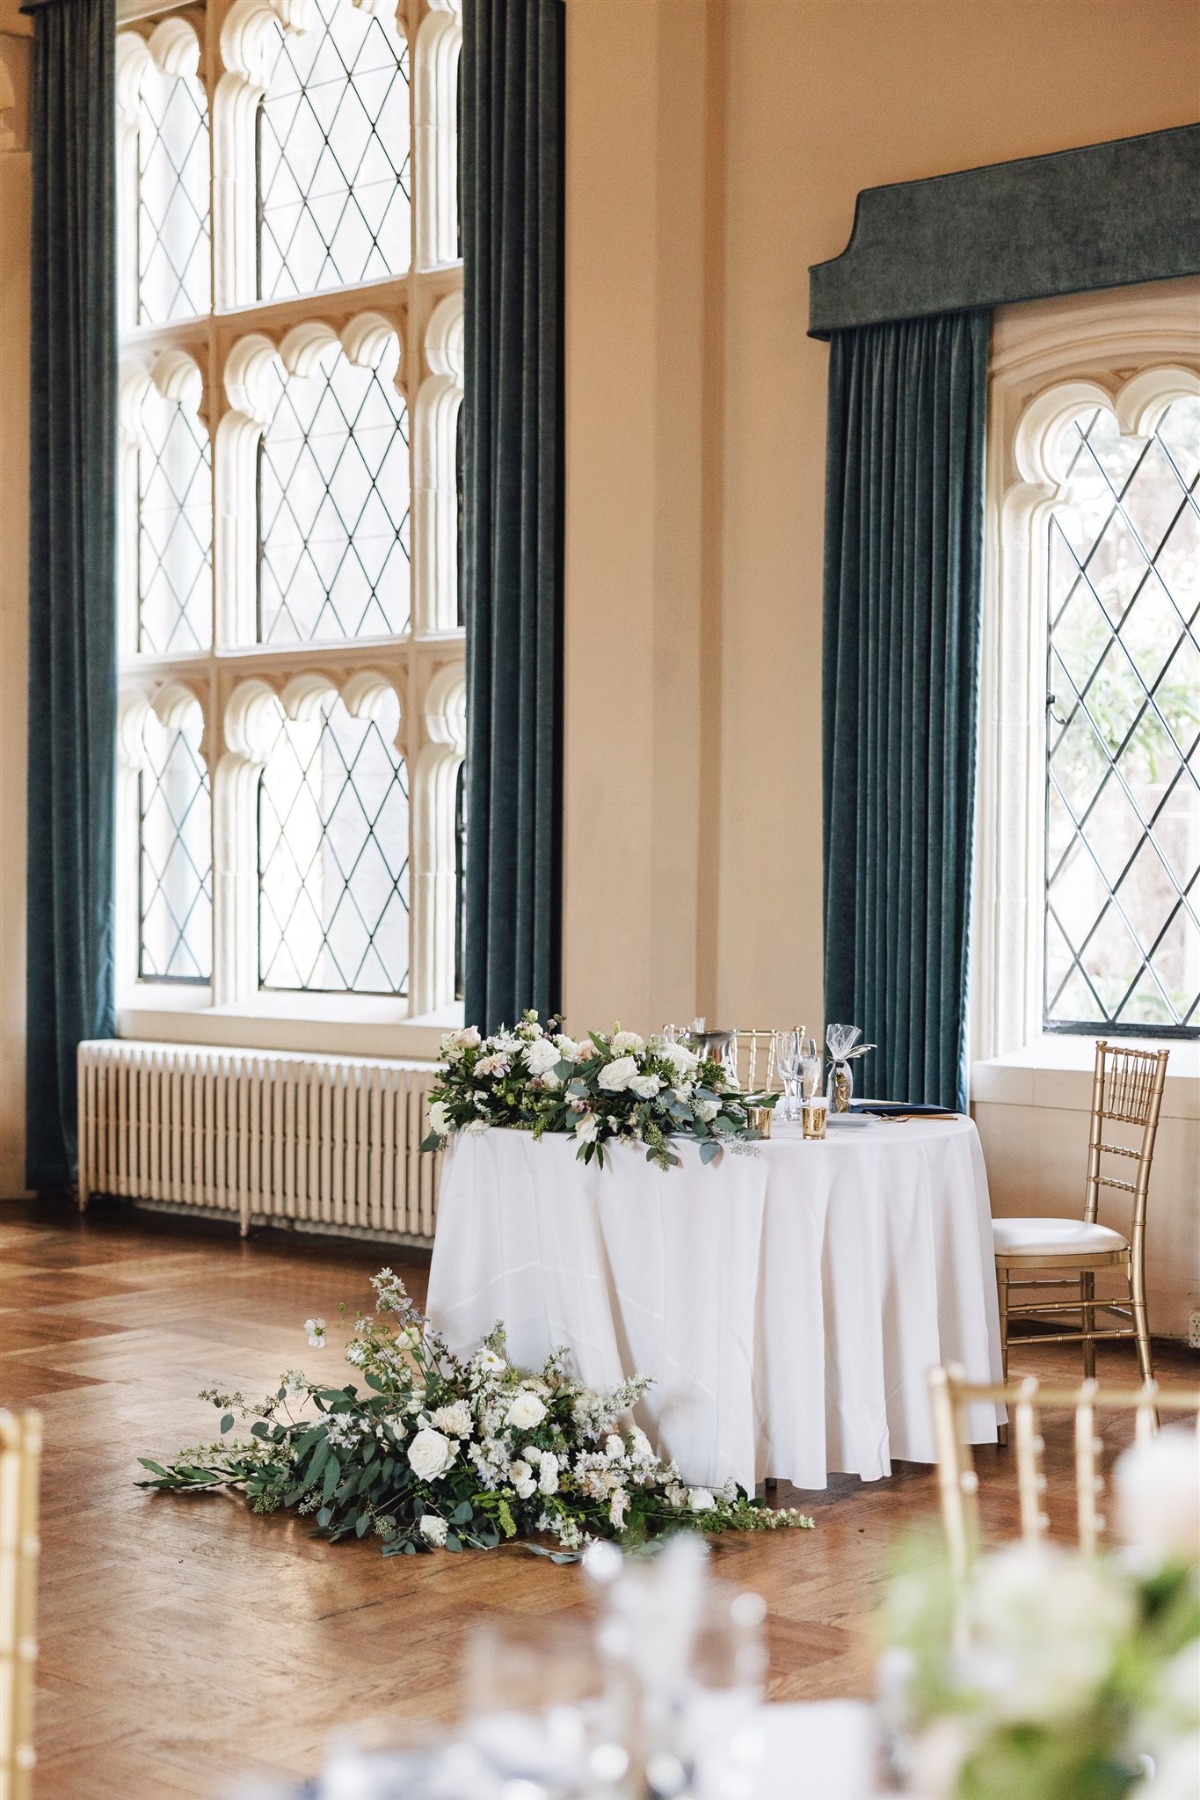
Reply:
x=1127 y=1092
x=958 y=1484
x=20 y=1458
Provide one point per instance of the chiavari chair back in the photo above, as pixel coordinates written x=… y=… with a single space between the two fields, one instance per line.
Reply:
x=958 y=1482
x=754 y=1052
x=20 y=1459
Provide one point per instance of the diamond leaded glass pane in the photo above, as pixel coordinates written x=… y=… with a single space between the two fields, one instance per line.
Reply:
x=174 y=263
x=1123 y=730
x=333 y=856
x=175 y=854
x=333 y=156
x=333 y=507
x=174 y=528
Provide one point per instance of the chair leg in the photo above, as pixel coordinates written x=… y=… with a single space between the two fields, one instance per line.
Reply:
x=1141 y=1323
x=1087 y=1296
x=1002 y=1299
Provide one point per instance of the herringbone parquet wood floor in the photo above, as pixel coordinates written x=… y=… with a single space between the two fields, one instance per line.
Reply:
x=185 y=1642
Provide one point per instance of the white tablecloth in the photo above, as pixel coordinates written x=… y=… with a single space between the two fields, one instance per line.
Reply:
x=788 y=1302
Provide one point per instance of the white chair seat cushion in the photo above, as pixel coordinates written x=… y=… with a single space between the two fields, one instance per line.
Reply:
x=1053 y=1237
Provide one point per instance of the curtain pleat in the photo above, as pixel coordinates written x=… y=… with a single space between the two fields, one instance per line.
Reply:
x=903 y=567
x=72 y=569
x=512 y=187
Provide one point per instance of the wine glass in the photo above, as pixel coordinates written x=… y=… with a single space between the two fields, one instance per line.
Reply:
x=533 y=1697
x=787 y=1062
x=810 y=1068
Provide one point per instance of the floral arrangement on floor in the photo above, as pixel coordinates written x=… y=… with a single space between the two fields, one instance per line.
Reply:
x=1051 y=1675
x=616 y=1089
x=448 y=1452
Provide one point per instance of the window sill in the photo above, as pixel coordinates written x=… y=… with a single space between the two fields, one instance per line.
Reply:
x=1056 y=1072
x=314 y=1024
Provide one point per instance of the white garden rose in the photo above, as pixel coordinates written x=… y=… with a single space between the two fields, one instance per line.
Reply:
x=454 y=1420
x=614 y=1077
x=548 y=1474
x=705 y=1109
x=569 y=1050
x=541 y=1056
x=439 y=1117
x=522 y=1478
x=625 y=1041
x=700 y=1500
x=1158 y=1498
x=525 y=1413
x=433 y=1530
x=679 y=1057
x=645 y=1086
x=431 y=1454
x=587 y=1127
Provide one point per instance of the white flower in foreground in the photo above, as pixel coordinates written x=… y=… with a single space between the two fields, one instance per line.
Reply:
x=525 y=1413
x=439 y=1117
x=522 y=1478
x=548 y=1477
x=315 y=1328
x=433 y=1530
x=587 y=1128
x=614 y=1449
x=454 y=1420
x=644 y=1086
x=625 y=1041
x=618 y=1506
x=1044 y=1627
x=430 y=1454
x=706 y=1109
x=614 y=1077
x=541 y=1056
x=490 y=1363
x=1158 y=1498
x=700 y=1500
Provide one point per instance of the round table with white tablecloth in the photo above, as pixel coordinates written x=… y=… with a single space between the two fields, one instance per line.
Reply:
x=788 y=1299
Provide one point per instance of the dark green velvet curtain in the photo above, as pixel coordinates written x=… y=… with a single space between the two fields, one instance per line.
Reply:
x=72 y=568
x=512 y=192
x=903 y=561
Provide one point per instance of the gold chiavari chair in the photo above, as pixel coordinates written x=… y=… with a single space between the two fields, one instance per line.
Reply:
x=958 y=1483
x=20 y=1458
x=1127 y=1091
x=755 y=1056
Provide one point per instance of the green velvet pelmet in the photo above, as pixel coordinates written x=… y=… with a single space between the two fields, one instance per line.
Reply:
x=72 y=569
x=903 y=560
x=512 y=192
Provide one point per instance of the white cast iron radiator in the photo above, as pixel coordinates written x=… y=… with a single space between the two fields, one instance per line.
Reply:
x=333 y=1142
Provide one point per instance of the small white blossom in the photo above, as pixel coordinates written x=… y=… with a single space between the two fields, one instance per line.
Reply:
x=522 y=1478
x=434 y=1530
x=587 y=1128
x=475 y=1127
x=617 y=1508
x=706 y=1110
x=490 y=1363
x=614 y=1449
x=548 y=1477
x=315 y=1329
x=439 y=1117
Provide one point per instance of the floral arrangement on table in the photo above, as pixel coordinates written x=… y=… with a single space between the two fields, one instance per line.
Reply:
x=1050 y=1676
x=450 y=1452
x=602 y=1090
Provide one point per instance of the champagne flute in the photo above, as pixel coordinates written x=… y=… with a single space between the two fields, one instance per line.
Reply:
x=787 y=1062
x=810 y=1068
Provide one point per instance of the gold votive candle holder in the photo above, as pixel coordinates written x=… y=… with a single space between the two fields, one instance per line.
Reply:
x=813 y=1116
x=759 y=1119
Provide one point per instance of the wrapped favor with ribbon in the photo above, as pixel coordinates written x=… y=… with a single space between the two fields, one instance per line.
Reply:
x=844 y=1047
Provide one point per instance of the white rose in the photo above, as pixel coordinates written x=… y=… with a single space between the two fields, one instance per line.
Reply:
x=469 y=1037
x=615 y=1076
x=569 y=1050
x=525 y=1413
x=587 y=1126
x=454 y=1420
x=705 y=1109
x=700 y=1500
x=548 y=1477
x=430 y=1454
x=1158 y=1498
x=614 y=1449
x=433 y=1530
x=625 y=1041
x=541 y=1056
x=522 y=1478
x=676 y=1495
x=682 y=1059
x=439 y=1117
x=645 y=1086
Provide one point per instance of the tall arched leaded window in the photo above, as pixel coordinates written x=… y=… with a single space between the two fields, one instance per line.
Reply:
x=292 y=725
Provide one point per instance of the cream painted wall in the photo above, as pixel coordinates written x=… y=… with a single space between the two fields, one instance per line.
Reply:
x=14 y=490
